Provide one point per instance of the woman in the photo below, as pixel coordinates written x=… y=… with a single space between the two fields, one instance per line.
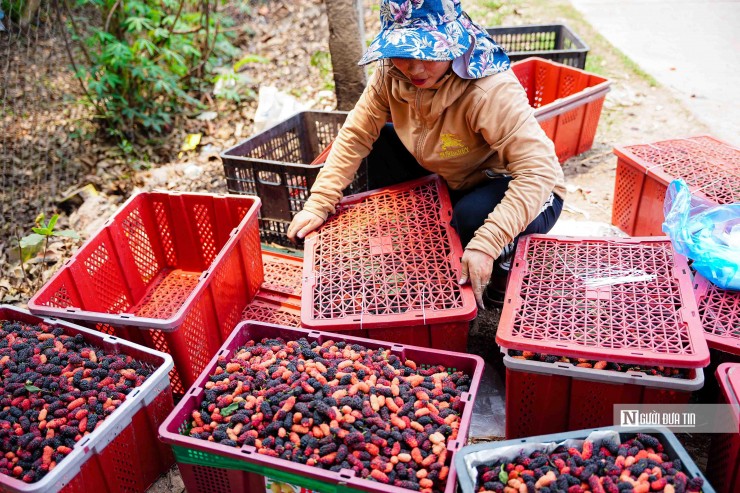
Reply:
x=462 y=114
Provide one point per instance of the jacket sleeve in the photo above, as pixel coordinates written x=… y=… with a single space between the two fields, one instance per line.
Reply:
x=352 y=145
x=506 y=120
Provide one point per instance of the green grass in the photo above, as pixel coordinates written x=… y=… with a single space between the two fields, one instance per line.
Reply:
x=632 y=66
x=489 y=13
x=598 y=43
x=492 y=4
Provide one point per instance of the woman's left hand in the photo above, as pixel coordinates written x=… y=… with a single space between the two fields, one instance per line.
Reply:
x=476 y=267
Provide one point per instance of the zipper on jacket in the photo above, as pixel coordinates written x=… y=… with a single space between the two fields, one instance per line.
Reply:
x=420 y=142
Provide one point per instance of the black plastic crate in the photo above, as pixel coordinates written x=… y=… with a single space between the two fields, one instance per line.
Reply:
x=276 y=166
x=554 y=42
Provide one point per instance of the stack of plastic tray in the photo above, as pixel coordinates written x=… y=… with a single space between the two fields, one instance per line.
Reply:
x=554 y=42
x=387 y=266
x=279 y=299
x=468 y=458
x=123 y=453
x=171 y=271
x=710 y=167
x=215 y=468
x=719 y=311
x=621 y=300
x=723 y=465
x=567 y=102
x=277 y=165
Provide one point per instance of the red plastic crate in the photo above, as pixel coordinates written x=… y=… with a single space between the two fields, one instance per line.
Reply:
x=123 y=453
x=283 y=278
x=710 y=167
x=171 y=271
x=567 y=102
x=266 y=310
x=546 y=398
x=203 y=464
x=724 y=464
x=389 y=262
x=559 y=300
x=719 y=311
x=279 y=299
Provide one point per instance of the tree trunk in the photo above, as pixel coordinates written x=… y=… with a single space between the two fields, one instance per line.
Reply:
x=346 y=45
x=29 y=12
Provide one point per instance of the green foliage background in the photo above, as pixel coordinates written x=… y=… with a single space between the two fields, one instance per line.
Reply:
x=145 y=60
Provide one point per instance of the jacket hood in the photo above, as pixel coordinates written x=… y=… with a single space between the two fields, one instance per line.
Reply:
x=434 y=100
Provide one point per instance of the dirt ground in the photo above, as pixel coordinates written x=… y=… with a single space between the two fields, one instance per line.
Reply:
x=290 y=34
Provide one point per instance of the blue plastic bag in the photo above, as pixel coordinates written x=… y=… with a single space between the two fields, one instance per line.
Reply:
x=707 y=233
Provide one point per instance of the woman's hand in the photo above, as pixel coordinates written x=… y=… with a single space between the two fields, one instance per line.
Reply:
x=303 y=223
x=476 y=267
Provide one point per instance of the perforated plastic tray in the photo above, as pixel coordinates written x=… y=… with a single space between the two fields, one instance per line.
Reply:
x=469 y=457
x=387 y=258
x=710 y=167
x=719 y=311
x=283 y=278
x=724 y=464
x=213 y=467
x=171 y=271
x=123 y=453
x=622 y=300
x=267 y=310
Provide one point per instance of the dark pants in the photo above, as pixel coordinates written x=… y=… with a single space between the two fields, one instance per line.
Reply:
x=390 y=163
x=472 y=207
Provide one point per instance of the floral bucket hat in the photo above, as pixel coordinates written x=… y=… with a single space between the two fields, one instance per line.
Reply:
x=436 y=30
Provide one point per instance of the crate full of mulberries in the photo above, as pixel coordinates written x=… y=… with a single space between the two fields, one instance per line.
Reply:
x=323 y=411
x=171 y=271
x=605 y=460
x=574 y=393
x=388 y=263
x=623 y=309
x=80 y=409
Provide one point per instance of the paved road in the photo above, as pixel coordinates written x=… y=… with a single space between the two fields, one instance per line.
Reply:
x=690 y=46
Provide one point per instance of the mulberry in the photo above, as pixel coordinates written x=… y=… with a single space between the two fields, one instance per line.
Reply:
x=694 y=484
x=327 y=449
x=355 y=440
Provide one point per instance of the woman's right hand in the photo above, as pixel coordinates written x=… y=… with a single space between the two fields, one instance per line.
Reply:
x=303 y=223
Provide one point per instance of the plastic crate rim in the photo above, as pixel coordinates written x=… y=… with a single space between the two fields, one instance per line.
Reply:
x=571 y=102
x=728 y=376
x=605 y=376
x=580 y=49
x=173 y=322
x=272 y=126
x=625 y=150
